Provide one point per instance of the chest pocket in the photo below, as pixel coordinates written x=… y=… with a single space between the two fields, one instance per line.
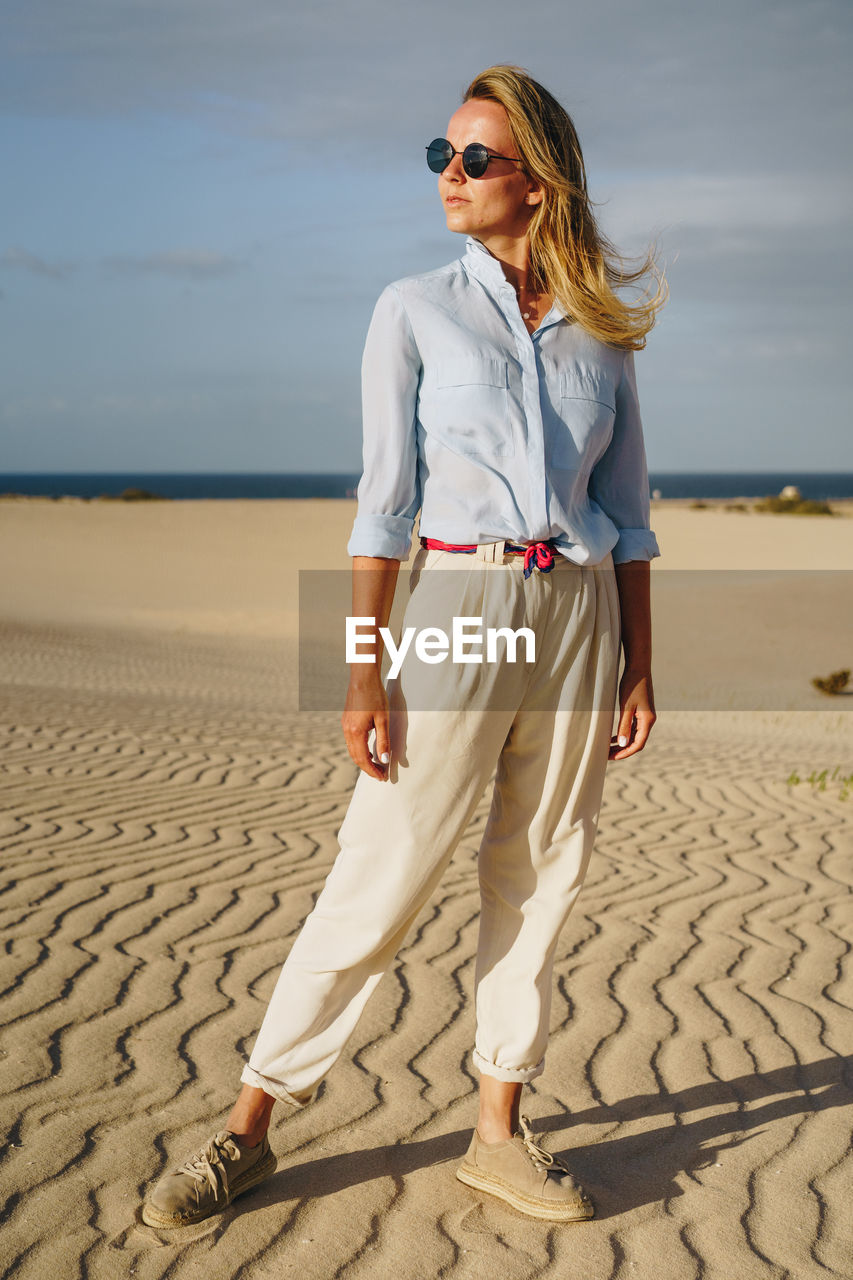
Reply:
x=464 y=402
x=587 y=415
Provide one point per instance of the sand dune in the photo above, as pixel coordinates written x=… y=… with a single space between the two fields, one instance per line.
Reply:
x=167 y=818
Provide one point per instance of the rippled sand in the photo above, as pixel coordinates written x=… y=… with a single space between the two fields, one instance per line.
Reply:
x=168 y=816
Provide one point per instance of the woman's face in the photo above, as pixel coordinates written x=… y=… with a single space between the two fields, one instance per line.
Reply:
x=502 y=202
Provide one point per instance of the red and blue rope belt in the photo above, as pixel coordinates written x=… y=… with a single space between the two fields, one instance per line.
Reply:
x=537 y=555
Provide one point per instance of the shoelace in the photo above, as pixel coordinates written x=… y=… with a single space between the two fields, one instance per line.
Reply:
x=544 y=1160
x=207 y=1165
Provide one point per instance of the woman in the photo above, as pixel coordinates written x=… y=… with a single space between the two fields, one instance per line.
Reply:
x=500 y=401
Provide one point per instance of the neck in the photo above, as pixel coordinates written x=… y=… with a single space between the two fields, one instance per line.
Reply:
x=513 y=253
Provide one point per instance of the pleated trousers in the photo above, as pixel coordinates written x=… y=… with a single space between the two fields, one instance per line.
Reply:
x=542 y=730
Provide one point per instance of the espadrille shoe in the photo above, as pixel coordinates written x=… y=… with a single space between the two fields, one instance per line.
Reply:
x=208 y=1182
x=526 y=1176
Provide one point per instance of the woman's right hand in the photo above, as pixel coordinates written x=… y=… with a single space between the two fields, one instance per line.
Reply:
x=373 y=582
x=367 y=708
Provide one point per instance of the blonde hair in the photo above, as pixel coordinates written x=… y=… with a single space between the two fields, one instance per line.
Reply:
x=569 y=255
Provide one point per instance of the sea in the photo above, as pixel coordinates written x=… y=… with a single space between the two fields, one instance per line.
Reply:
x=824 y=485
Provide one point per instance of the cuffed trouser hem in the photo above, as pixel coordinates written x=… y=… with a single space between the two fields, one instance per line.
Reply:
x=511 y=1075
x=274 y=1089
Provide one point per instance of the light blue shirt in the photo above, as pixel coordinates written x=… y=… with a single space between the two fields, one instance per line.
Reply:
x=493 y=433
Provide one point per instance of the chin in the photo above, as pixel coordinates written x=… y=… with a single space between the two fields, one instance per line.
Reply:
x=457 y=220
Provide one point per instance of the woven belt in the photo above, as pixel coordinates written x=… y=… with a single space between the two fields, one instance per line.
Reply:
x=538 y=555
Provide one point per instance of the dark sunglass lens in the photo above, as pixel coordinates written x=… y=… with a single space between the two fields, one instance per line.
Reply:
x=475 y=160
x=439 y=154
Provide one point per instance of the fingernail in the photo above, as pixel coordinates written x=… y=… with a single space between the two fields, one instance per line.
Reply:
x=622 y=740
x=384 y=757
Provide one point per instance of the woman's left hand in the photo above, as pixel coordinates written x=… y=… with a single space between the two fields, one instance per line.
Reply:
x=636 y=713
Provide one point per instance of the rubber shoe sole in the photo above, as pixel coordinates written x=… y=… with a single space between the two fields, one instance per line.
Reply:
x=532 y=1206
x=154 y=1217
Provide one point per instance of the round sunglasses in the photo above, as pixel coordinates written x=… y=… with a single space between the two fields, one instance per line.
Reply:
x=475 y=157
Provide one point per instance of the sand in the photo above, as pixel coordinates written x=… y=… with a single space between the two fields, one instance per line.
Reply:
x=168 y=816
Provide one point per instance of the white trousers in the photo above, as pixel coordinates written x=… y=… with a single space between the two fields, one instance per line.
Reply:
x=544 y=730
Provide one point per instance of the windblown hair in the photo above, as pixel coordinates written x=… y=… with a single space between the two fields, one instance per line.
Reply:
x=569 y=255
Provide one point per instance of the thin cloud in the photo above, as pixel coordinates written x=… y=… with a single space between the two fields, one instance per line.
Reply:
x=729 y=204
x=25 y=261
x=186 y=264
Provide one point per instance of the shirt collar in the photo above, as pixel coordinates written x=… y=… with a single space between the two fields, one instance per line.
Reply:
x=484 y=266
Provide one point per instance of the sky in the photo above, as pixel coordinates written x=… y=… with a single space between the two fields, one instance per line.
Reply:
x=202 y=201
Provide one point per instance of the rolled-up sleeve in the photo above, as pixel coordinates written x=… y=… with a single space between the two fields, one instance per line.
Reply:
x=619 y=482
x=389 y=493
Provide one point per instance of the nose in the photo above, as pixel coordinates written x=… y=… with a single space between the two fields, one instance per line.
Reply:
x=454 y=171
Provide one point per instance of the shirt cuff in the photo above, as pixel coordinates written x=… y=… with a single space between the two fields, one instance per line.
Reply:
x=635 y=544
x=389 y=537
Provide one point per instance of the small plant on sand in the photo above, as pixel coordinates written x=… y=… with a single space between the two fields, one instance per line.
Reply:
x=837 y=682
x=131 y=495
x=818 y=780
x=139 y=495
x=793 y=506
